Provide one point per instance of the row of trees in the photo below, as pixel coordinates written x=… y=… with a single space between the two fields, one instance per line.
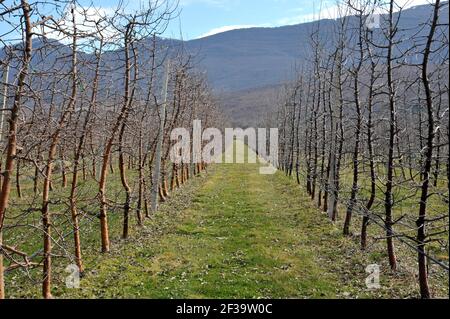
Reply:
x=366 y=126
x=87 y=127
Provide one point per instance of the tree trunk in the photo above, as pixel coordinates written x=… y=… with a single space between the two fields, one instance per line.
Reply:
x=421 y=221
x=157 y=169
x=18 y=188
x=355 y=187
x=365 y=221
x=128 y=98
x=12 y=130
x=388 y=202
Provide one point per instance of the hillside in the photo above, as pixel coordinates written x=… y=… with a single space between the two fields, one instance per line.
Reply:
x=248 y=58
x=250 y=107
x=246 y=67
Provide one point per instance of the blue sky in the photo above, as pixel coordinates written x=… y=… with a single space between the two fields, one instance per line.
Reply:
x=204 y=17
x=200 y=18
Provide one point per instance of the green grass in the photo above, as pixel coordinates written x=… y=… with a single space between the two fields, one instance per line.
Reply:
x=240 y=238
x=406 y=207
x=234 y=233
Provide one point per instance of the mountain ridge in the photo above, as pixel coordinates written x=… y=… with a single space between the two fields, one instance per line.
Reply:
x=241 y=59
x=245 y=67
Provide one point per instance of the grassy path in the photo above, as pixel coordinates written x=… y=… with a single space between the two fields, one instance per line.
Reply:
x=242 y=235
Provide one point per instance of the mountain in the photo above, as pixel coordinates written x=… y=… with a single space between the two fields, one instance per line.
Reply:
x=259 y=57
x=249 y=107
x=248 y=58
x=246 y=67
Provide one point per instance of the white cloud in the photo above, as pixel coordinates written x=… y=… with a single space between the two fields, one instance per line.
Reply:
x=332 y=10
x=228 y=28
x=85 y=19
x=328 y=10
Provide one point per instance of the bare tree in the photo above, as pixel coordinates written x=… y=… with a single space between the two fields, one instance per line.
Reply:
x=421 y=232
x=12 y=130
